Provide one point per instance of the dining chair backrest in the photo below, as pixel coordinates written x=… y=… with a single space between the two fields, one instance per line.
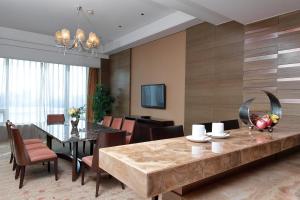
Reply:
x=117 y=123
x=159 y=133
x=231 y=124
x=107 y=121
x=228 y=125
x=20 y=151
x=55 y=118
x=128 y=126
x=208 y=126
x=109 y=139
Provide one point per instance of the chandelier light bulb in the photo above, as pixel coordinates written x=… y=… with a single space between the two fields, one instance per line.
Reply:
x=80 y=35
x=58 y=37
x=66 y=36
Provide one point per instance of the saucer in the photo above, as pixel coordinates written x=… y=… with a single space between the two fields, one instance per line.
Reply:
x=192 y=139
x=226 y=135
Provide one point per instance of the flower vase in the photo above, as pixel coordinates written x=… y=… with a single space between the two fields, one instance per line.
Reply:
x=74 y=122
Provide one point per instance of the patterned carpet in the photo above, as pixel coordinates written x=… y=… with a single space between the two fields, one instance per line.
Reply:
x=41 y=185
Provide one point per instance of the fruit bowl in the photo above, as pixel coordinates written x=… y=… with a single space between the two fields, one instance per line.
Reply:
x=261 y=121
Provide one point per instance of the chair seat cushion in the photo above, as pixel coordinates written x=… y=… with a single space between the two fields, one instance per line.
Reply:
x=32 y=141
x=88 y=160
x=128 y=137
x=35 y=146
x=36 y=155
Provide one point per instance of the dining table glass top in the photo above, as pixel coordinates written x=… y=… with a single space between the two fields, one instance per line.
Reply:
x=85 y=131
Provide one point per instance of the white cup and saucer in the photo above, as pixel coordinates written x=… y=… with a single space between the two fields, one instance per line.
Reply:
x=198 y=134
x=218 y=131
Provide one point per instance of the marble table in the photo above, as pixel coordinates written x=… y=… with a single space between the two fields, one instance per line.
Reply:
x=156 y=167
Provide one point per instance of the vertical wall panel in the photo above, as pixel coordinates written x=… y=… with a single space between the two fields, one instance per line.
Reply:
x=213 y=90
x=119 y=69
x=272 y=62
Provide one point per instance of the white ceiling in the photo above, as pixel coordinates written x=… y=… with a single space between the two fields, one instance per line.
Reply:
x=248 y=11
x=47 y=16
x=161 y=16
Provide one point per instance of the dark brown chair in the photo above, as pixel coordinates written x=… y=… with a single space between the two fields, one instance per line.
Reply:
x=116 y=123
x=128 y=126
x=107 y=121
x=208 y=126
x=92 y=162
x=228 y=125
x=29 y=143
x=26 y=157
x=231 y=124
x=166 y=132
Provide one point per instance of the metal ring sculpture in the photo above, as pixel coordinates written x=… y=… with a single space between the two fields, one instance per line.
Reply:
x=244 y=111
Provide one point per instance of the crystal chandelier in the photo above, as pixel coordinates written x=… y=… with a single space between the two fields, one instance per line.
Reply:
x=63 y=39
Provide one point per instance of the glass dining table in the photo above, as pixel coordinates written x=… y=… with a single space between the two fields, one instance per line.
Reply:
x=64 y=133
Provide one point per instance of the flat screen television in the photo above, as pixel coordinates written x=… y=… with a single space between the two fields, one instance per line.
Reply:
x=153 y=96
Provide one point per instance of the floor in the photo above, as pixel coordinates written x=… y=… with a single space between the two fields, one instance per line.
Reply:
x=278 y=180
x=41 y=185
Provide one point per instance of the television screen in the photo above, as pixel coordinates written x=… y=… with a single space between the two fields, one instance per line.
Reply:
x=153 y=96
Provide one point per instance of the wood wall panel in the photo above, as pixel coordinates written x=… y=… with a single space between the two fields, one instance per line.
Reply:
x=120 y=66
x=272 y=62
x=214 y=78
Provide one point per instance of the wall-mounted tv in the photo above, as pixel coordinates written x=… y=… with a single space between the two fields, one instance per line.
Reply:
x=153 y=96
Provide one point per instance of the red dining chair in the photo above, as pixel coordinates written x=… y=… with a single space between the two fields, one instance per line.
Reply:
x=116 y=123
x=29 y=143
x=128 y=126
x=92 y=162
x=107 y=121
x=25 y=157
x=55 y=119
x=159 y=133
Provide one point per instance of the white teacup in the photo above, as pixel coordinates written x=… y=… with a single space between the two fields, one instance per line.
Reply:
x=198 y=131
x=218 y=129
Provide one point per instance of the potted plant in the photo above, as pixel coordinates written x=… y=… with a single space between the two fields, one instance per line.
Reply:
x=102 y=102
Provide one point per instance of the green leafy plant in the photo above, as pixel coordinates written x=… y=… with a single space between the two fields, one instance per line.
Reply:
x=102 y=102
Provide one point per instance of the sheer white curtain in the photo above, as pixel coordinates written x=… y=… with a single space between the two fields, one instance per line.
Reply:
x=3 y=74
x=31 y=90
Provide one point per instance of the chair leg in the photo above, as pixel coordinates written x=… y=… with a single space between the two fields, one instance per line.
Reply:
x=82 y=168
x=22 y=177
x=70 y=147
x=11 y=158
x=155 y=198
x=122 y=185
x=83 y=147
x=63 y=144
x=14 y=164
x=98 y=184
x=55 y=169
x=17 y=173
x=48 y=166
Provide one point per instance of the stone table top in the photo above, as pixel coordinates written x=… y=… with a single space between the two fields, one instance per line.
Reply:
x=155 y=167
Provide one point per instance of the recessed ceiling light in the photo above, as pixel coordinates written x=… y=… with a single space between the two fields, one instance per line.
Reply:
x=91 y=12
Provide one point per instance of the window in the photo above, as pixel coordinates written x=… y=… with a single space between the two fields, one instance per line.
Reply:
x=30 y=90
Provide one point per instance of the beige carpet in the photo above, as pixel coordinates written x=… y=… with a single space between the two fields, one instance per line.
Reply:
x=41 y=185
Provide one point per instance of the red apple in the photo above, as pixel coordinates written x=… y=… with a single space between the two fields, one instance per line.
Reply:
x=261 y=124
x=267 y=119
